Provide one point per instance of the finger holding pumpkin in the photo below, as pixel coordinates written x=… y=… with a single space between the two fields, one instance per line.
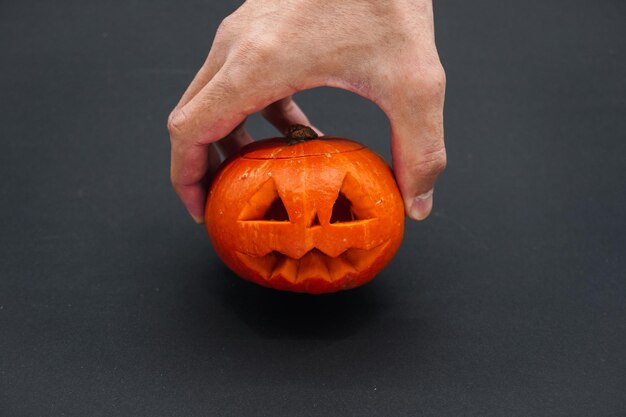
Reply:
x=285 y=113
x=212 y=114
x=235 y=140
x=415 y=111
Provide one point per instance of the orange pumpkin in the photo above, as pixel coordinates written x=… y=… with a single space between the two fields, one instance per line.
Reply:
x=305 y=214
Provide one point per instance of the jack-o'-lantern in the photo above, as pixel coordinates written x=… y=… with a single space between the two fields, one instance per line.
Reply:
x=305 y=214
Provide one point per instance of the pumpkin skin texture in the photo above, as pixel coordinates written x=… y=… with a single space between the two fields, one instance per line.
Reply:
x=313 y=216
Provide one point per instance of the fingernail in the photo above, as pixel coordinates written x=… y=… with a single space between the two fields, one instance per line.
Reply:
x=319 y=132
x=197 y=219
x=421 y=206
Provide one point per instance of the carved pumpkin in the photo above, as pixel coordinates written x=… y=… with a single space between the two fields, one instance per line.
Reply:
x=305 y=214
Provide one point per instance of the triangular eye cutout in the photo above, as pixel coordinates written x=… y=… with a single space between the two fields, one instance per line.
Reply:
x=353 y=202
x=277 y=211
x=342 y=210
x=265 y=204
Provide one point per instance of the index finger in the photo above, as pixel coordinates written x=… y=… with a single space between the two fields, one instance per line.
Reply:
x=216 y=110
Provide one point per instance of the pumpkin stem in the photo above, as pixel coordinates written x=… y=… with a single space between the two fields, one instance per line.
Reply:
x=299 y=133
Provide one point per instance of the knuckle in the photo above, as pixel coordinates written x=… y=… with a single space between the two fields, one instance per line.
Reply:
x=428 y=82
x=225 y=27
x=176 y=122
x=257 y=48
x=430 y=164
x=238 y=76
x=261 y=52
x=436 y=76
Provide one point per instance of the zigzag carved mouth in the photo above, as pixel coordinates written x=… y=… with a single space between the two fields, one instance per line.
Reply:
x=314 y=264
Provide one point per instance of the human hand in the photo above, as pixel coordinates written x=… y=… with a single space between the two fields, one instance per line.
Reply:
x=267 y=50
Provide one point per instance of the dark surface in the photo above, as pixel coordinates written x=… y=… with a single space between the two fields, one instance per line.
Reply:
x=510 y=300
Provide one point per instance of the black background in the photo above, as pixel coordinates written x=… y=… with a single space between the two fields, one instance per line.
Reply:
x=510 y=300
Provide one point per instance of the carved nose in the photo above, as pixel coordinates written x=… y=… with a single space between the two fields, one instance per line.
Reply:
x=315 y=221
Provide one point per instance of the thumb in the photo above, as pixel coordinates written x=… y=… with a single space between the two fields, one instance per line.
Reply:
x=417 y=146
x=417 y=168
